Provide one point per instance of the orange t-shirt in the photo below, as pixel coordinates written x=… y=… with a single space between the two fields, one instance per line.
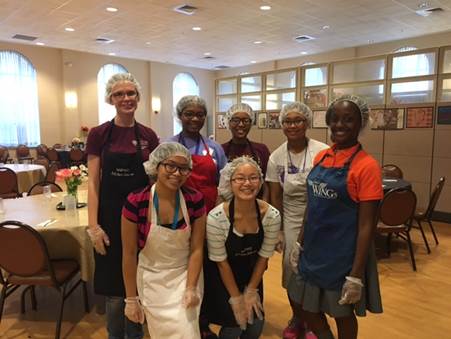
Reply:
x=364 y=177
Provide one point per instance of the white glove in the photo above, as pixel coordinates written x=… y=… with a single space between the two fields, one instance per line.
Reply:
x=351 y=291
x=191 y=297
x=239 y=310
x=133 y=310
x=294 y=256
x=280 y=246
x=98 y=238
x=253 y=304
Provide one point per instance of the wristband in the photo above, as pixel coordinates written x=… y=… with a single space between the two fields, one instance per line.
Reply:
x=355 y=280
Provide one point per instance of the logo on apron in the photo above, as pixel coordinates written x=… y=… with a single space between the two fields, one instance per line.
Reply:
x=320 y=190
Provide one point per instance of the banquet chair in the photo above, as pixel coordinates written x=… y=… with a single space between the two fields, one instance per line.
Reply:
x=42 y=161
x=426 y=216
x=396 y=212
x=52 y=155
x=38 y=188
x=41 y=150
x=23 y=154
x=25 y=261
x=4 y=155
x=76 y=157
x=8 y=183
x=51 y=173
x=391 y=171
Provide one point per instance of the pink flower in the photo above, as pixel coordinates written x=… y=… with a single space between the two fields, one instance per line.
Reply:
x=76 y=173
x=64 y=173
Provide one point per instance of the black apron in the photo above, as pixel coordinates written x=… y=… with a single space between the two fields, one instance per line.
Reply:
x=121 y=173
x=242 y=255
x=230 y=154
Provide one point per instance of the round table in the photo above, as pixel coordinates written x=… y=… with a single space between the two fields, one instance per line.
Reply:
x=391 y=183
x=27 y=175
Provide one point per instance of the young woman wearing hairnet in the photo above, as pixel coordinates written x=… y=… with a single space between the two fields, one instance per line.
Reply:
x=116 y=151
x=288 y=167
x=166 y=223
x=334 y=252
x=241 y=236
x=240 y=119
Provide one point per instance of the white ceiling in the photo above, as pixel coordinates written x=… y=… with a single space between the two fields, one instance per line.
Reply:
x=229 y=27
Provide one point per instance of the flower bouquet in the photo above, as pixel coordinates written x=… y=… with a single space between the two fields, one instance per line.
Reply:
x=73 y=178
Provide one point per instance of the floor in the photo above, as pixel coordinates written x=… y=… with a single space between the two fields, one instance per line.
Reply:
x=416 y=304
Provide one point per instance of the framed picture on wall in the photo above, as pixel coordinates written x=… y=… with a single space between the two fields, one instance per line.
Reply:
x=261 y=120
x=273 y=120
x=388 y=119
x=315 y=98
x=319 y=119
x=419 y=117
x=444 y=115
x=221 y=121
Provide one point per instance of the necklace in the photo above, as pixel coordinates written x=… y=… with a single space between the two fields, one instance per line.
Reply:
x=292 y=168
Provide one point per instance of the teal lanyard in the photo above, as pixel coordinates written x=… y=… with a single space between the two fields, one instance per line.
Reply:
x=176 y=212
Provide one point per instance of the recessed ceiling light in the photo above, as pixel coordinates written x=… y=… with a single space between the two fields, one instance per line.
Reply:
x=111 y=9
x=196 y=28
x=253 y=62
x=325 y=27
x=258 y=42
x=207 y=53
x=148 y=43
x=69 y=29
x=304 y=53
x=111 y=53
x=40 y=43
x=265 y=7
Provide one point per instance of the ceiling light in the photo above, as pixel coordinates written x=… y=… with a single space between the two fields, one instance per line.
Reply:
x=112 y=53
x=207 y=53
x=148 y=42
x=258 y=42
x=253 y=62
x=40 y=43
x=196 y=28
x=304 y=53
x=111 y=9
x=265 y=7
x=69 y=29
x=325 y=27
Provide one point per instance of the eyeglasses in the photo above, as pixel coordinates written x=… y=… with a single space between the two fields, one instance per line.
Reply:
x=172 y=168
x=237 y=121
x=121 y=95
x=296 y=123
x=242 y=180
x=190 y=115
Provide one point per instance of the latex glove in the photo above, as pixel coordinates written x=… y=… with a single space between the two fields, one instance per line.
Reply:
x=351 y=291
x=253 y=304
x=191 y=297
x=134 y=310
x=98 y=238
x=280 y=246
x=294 y=256
x=239 y=310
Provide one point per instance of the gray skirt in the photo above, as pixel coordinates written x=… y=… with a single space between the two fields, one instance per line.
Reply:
x=315 y=299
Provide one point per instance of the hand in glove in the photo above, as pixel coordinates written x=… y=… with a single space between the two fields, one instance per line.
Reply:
x=280 y=246
x=98 y=238
x=351 y=291
x=294 y=256
x=134 y=310
x=239 y=310
x=253 y=304
x=191 y=297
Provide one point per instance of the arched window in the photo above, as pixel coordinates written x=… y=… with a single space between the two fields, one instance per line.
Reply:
x=183 y=84
x=19 y=109
x=106 y=111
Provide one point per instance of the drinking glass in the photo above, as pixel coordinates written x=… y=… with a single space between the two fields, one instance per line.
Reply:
x=47 y=191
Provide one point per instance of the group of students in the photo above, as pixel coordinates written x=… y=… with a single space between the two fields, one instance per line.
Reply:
x=183 y=230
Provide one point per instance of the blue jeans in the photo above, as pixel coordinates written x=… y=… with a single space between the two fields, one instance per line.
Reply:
x=253 y=331
x=118 y=325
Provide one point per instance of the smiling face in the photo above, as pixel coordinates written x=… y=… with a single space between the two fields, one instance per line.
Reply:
x=294 y=126
x=345 y=122
x=193 y=119
x=124 y=97
x=240 y=124
x=168 y=172
x=246 y=182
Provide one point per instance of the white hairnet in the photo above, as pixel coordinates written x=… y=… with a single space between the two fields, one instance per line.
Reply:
x=238 y=108
x=361 y=104
x=164 y=151
x=296 y=107
x=225 y=186
x=120 y=77
x=189 y=100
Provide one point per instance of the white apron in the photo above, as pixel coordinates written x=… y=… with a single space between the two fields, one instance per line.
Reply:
x=161 y=279
x=294 y=200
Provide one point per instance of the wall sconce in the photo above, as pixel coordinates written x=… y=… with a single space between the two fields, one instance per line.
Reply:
x=156 y=104
x=71 y=99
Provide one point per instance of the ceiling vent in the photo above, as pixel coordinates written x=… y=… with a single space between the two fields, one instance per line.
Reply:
x=185 y=9
x=303 y=38
x=222 y=67
x=428 y=11
x=24 y=37
x=101 y=40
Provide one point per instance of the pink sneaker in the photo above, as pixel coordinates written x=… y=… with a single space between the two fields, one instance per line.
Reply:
x=294 y=330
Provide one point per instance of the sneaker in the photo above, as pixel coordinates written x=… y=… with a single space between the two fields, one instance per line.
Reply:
x=294 y=330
